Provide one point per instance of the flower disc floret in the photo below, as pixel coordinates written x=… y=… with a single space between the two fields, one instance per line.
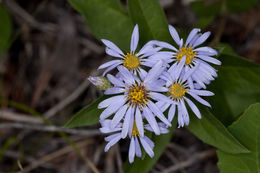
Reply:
x=188 y=52
x=131 y=62
x=137 y=95
x=177 y=91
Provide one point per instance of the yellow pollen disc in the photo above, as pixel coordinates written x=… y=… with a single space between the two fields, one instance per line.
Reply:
x=177 y=91
x=131 y=62
x=189 y=54
x=135 y=130
x=137 y=95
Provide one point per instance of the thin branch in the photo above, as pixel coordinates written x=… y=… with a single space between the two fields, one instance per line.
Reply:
x=78 y=132
x=56 y=154
x=7 y=115
x=72 y=97
x=193 y=159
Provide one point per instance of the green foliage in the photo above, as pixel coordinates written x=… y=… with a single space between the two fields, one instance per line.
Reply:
x=106 y=19
x=5 y=29
x=213 y=132
x=236 y=87
x=247 y=130
x=144 y=165
x=87 y=116
x=207 y=10
x=240 y=5
x=151 y=19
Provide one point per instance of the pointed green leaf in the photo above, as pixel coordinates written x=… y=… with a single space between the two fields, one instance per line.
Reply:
x=247 y=130
x=236 y=87
x=5 y=29
x=146 y=164
x=151 y=19
x=87 y=116
x=211 y=131
x=106 y=19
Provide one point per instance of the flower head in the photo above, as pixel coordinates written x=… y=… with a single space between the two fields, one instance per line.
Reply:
x=134 y=99
x=132 y=60
x=194 y=56
x=133 y=134
x=179 y=88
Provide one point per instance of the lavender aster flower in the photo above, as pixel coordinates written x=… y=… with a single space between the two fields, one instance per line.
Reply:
x=200 y=56
x=178 y=88
x=134 y=100
x=134 y=135
x=132 y=60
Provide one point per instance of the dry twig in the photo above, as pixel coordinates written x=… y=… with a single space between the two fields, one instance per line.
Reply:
x=85 y=133
x=193 y=159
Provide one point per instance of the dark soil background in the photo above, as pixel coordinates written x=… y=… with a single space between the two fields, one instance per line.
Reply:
x=44 y=73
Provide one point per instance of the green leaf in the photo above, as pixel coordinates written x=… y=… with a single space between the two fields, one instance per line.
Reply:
x=106 y=19
x=236 y=87
x=240 y=5
x=151 y=19
x=5 y=31
x=205 y=8
x=144 y=165
x=211 y=131
x=86 y=116
x=247 y=130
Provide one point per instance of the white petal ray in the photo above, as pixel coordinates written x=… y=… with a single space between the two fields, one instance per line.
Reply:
x=138 y=151
x=114 y=90
x=127 y=76
x=110 y=137
x=154 y=73
x=193 y=107
x=134 y=39
x=111 y=68
x=147 y=147
x=209 y=59
x=160 y=97
x=151 y=120
x=131 y=154
x=174 y=34
x=113 y=53
x=111 y=100
x=109 y=63
x=206 y=51
x=115 y=81
x=191 y=35
x=202 y=92
x=118 y=116
x=139 y=122
x=125 y=127
x=202 y=39
x=112 y=46
x=199 y=99
x=112 y=142
x=111 y=109
x=171 y=113
x=157 y=112
x=164 y=45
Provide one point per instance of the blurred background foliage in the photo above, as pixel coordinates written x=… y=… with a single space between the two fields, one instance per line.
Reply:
x=48 y=49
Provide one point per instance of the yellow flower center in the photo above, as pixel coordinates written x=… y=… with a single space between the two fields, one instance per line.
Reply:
x=189 y=54
x=177 y=91
x=137 y=95
x=131 y=62
x=135 y=130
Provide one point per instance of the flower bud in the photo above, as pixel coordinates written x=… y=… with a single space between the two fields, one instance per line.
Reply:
x=100 y=82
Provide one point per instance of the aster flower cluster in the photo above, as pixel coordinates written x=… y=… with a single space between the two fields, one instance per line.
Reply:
x=148 y=82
